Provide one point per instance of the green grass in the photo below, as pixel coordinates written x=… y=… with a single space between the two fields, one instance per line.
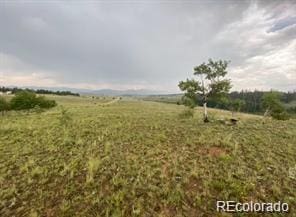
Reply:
x=90 y=157
x=170 y=98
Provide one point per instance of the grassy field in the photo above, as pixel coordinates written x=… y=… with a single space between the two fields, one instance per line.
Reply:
x=173 y=98
x=111 y=157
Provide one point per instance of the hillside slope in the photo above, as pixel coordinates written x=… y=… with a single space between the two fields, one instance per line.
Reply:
x=136 y=158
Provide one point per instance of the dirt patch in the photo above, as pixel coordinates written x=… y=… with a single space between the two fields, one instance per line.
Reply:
x=50 y=212
x=105 y=188
x=213 y=151
x=217 y=151
x=168 y=211
x=192 y=188
x=165 y=170
x=193 y=185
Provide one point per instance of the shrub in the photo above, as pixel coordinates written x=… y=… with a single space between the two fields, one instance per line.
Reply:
x=28 y=100
x=4 y=105
x=189 y=102
x=23 y=100
x=42 y=102
x=279 y=113
x=271 y=102
x=236 y=105
x=281 y=116
x=292 y=110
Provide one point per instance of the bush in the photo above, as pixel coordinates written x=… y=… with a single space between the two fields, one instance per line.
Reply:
x=292 y=110
x=281 y=116
x=28 y=100
x=42 y=102
x=271 y=102
x=23 y=100
x=189 y=102
x=4 y=105
x=278 y=112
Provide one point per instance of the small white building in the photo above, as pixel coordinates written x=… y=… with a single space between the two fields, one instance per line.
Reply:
x=8 y=93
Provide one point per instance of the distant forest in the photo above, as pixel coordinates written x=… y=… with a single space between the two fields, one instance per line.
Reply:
x=38 y=91
x=253 y=101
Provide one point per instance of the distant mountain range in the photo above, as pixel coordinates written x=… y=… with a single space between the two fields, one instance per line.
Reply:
x=102 y=92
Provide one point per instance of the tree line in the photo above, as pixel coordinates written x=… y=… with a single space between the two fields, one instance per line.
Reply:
x=253 y=100
x=14 y=90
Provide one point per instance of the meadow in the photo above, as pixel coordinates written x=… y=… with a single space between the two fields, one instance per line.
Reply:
x=128 y=157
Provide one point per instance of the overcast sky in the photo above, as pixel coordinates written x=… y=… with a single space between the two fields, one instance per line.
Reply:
x=146 y=44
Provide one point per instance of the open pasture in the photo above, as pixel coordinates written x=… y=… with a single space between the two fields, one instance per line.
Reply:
x=88 y=157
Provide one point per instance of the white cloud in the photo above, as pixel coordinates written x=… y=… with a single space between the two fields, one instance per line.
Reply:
x=266 y=59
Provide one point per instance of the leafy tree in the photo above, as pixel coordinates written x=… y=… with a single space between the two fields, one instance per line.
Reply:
x=270 y=101
x=236 y=105
x=23 y=100
x=273 y=106
x=210 y=83
x=187 y=101
x=4 y=105
x=28 y=100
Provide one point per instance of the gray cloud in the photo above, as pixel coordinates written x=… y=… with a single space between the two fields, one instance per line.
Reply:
x=281 y=24
x=145 y=44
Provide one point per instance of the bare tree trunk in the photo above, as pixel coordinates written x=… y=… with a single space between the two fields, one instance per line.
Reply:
x=266 y=113
x=205 y=98
x=205 y=112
